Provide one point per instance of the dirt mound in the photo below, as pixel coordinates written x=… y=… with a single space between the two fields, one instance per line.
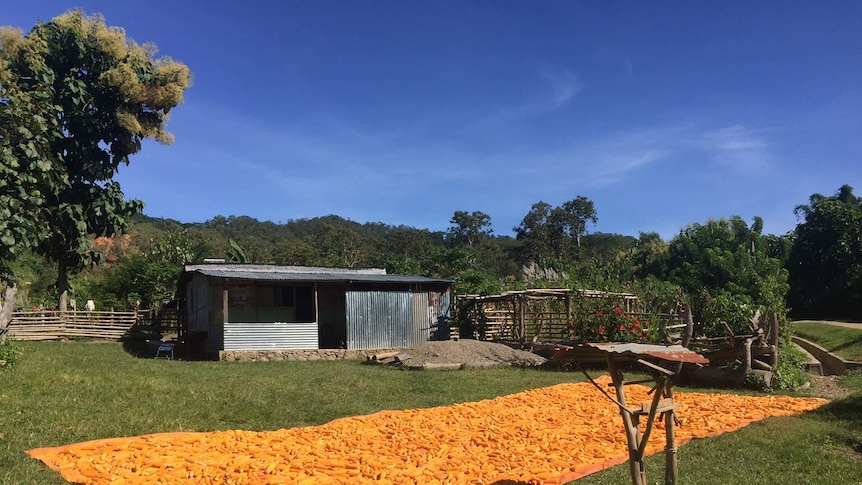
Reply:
x=466 y=353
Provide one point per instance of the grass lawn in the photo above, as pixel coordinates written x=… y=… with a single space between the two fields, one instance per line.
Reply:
x=842 y=341
x=62 y=393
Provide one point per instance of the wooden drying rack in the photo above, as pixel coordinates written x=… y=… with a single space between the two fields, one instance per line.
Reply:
x=615 y=355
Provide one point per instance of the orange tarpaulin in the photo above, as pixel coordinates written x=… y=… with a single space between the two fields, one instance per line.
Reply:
x=549 y=435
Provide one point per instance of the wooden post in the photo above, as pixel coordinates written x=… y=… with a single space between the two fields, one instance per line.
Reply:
x=316 y=312
x=772 y=318
x=671 y=471
x=688 y=319
x=686 y=334
x=224 y=305
x=636 y=465
x=746 y=358
x=522 y=316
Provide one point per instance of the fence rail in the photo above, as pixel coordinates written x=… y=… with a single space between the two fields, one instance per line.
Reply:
x=48 y=325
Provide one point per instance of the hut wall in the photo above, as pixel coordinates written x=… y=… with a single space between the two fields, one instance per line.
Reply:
x=270 y=336
x=392 y=319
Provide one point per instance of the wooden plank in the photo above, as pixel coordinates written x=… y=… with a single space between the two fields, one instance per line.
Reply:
x=663 y=406
x=655 y=367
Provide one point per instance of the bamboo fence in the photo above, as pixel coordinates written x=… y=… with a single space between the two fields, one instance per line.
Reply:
x=52 y=325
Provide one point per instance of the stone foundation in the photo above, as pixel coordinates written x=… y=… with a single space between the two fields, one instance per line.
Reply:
x=298 y=355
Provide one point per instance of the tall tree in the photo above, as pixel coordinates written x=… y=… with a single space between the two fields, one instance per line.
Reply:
x=107 y=94
x=573 y=216
x=536 y=233
x=27 y=169
x=548 y=232
x=468 y=229
x=825 y=261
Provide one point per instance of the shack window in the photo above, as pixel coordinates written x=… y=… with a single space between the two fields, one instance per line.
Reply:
x=287 y=296
x=275 y=296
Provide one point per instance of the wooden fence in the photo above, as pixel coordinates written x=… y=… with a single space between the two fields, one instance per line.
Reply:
x=546 y=314
x=51 y=325
x=161 y=319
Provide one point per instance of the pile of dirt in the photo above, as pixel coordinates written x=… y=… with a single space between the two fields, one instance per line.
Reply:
x=454 y=354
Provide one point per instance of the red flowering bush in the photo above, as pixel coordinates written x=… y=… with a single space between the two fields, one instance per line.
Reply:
x=613 y=326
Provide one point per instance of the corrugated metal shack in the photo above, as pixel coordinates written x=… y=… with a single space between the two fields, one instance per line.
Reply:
x=234 y=307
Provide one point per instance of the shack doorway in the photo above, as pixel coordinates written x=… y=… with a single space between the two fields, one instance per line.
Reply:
x=332 y=319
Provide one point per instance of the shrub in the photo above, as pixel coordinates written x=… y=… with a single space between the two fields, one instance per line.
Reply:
x=735 y=310
x=10 y=353
x=789 y=373
x=613 y=326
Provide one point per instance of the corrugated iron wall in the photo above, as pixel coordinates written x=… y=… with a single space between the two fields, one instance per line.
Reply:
x=270 y=336
x=392 y=319
x=379 y=319
x=439 y=305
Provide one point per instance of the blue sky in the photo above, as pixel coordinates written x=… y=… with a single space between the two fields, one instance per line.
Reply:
x=402 y=112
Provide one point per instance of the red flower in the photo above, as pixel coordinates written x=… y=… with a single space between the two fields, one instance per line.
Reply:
x=618 y=310
x=637 y=323
x=600 y=313
x=621 y=328
x=602 y=330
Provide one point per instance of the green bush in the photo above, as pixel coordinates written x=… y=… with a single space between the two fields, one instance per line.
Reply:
x=10 y=353
x=735 y=310
x=789 y=373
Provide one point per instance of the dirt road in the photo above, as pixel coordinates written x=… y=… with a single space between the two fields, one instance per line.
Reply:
x=857 y=326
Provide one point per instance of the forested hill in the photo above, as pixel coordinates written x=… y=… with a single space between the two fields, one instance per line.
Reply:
x=724 y=266
x=337 y=242
x=301 y=241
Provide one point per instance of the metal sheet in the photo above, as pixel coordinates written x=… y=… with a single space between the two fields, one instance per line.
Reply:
x=386 y=319
x=308 y=277
x=598 y=352
x=270 y=336
x=670 y=353
x=422 y=318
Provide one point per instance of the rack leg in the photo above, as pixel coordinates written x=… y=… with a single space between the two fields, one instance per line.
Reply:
x=670 y=458
x=636 y=464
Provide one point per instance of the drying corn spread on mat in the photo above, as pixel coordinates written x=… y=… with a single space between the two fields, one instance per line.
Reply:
x=548 y=435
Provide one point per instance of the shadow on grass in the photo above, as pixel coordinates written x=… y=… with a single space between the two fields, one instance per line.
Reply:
x=139 y=348
x=847 y=344
x=847 y=410
x=145 y=348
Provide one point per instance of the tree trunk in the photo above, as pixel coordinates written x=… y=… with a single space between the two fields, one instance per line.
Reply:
x=8 y=304
x=62 y=286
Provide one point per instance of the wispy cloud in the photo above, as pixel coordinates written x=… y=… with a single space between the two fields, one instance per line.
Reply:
x=621 y=157
x=386 y=172
x=564 y=85
x=551 y=90
x=736 y=148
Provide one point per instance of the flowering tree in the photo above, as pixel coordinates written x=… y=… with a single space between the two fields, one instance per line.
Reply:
x=103 y=95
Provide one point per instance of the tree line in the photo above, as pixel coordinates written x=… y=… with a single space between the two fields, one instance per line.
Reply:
x=724 y=268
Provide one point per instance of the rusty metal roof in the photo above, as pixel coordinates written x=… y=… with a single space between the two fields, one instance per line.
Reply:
x=670 y=353
x=592 y=351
